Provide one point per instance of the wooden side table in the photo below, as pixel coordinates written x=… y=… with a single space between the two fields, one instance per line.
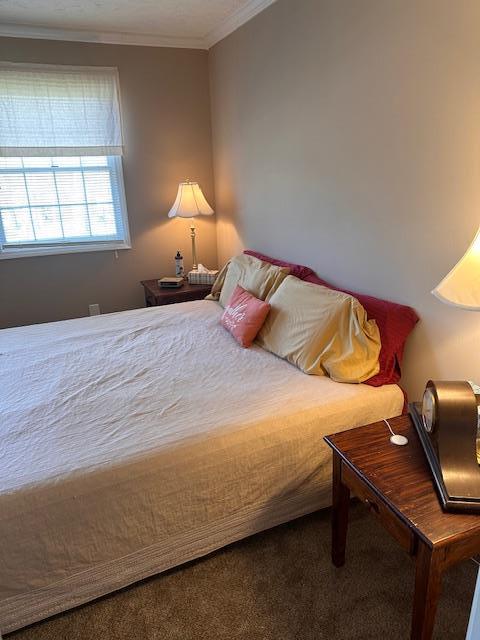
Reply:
x=396 y=485
x=155 y=296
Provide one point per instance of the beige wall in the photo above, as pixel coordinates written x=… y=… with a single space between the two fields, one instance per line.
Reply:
x=347 y=137
x=165 y=102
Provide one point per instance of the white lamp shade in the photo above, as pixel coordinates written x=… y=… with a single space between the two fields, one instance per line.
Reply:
x=190 y=202
x=461 y=287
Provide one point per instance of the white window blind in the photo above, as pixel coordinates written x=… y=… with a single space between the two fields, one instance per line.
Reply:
x=61 y=180
x=50 y=110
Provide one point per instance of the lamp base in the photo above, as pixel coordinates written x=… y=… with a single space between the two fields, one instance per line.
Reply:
x=194 y=250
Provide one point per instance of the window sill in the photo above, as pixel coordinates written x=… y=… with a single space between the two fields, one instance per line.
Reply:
x=33 y=252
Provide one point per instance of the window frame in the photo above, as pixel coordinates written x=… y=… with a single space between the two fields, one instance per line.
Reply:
x=34 y=249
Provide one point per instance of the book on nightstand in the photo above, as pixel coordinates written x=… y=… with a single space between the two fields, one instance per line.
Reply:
x=172 y=282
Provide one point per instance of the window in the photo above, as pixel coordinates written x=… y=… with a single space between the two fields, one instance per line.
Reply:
x=61 y=181
x=64 y=201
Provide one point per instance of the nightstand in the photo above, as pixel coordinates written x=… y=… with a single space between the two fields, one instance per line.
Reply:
x=156 y=297
x=396 y=485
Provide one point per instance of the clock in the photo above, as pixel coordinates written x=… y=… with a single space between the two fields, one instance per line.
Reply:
x=428 y=410
x=448 y=422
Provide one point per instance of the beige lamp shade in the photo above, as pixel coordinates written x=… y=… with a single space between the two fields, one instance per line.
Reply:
x=190 y=202
x=461 y=287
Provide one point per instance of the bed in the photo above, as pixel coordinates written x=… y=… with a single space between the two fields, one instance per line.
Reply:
x=133 y=442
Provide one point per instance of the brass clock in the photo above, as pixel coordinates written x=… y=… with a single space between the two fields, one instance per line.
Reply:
x=447 y=422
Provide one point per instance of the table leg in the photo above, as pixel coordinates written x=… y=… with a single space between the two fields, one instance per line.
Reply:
x=341 y=500
x=428 y=582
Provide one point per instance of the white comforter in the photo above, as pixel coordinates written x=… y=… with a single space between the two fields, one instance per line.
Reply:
x=132 y=442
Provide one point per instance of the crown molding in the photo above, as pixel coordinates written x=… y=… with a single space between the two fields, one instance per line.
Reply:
x=235 y=21
x=100 y=37
x=225 y=28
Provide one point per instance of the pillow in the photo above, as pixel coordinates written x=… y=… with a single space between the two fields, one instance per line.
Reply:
x=297 y=270
x=244 y=316
x=259 y=278
x=321 y=331
x=218 y=284
x=395 y=323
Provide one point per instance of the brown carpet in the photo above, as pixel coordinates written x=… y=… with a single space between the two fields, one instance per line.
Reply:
x=277 y=585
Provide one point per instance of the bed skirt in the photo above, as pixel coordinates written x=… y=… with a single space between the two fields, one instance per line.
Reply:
x=20 y=611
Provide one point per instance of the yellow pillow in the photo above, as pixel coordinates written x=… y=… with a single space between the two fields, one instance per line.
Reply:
x=321 y=331
x=259 y=278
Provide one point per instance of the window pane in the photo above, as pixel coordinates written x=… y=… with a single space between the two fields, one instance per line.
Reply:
x=41 y=188
x=95 y=161
x=12 y=190
x=64 y=161
x=97 y=185
x=10 y=163
x=70 y=187
x=75 y=221
x=102 y=219
x=36 y=163
x=46 y=221
x=17 y=225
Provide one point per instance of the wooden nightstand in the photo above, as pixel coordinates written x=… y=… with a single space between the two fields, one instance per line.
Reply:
x=396 y=485
x=155 y=296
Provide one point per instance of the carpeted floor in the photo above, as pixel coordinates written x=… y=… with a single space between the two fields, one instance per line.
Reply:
x=277 y=585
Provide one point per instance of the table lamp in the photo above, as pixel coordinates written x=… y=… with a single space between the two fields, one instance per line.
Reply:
x=189 y=203
x=461 y=286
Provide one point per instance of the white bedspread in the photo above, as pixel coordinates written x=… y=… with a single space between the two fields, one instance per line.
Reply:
x=132 y=442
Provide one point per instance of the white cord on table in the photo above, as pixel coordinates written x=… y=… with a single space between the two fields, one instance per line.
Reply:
x=389 y=427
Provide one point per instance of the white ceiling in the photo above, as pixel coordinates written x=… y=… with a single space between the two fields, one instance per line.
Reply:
x=182 y=23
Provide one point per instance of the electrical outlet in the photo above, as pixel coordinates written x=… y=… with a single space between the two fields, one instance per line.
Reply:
x=94 y=309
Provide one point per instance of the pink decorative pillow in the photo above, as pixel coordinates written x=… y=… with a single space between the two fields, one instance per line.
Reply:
x=297 y=270
x=244 y=316
x=395 y=323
